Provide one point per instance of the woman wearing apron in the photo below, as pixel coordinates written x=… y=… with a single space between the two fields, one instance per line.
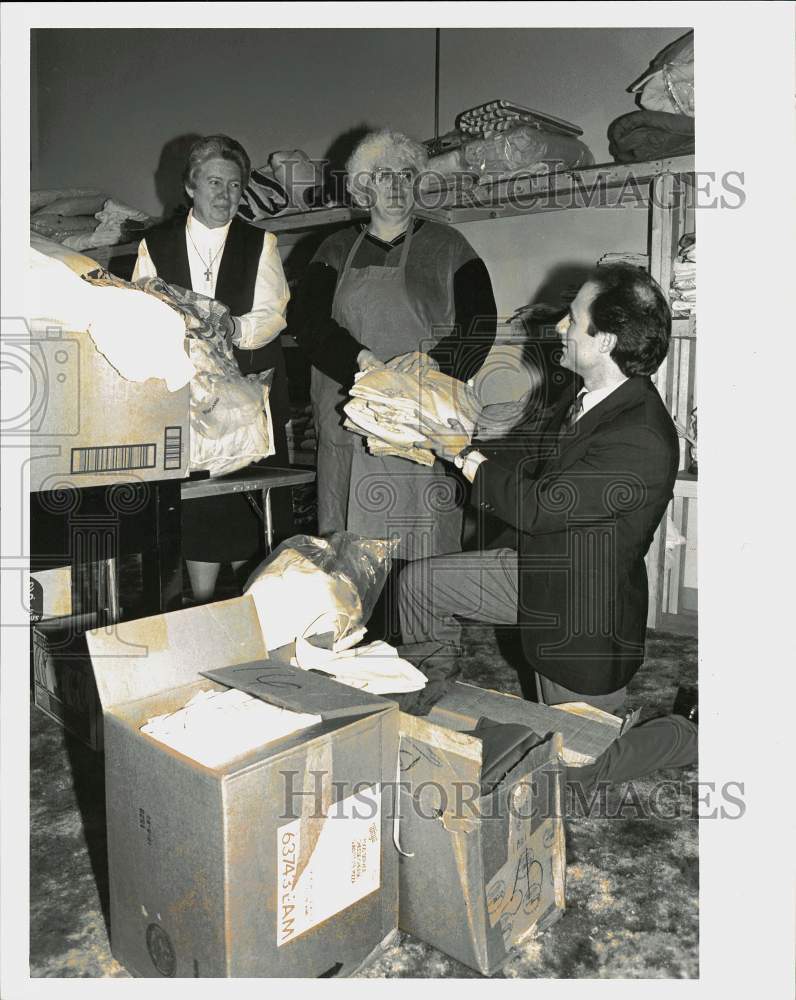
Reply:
x=373 y=292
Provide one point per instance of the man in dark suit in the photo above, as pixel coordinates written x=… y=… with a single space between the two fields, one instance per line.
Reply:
x=583 y=494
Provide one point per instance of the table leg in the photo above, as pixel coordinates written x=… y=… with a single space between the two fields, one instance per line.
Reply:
x=269 y=521
x=162 y=565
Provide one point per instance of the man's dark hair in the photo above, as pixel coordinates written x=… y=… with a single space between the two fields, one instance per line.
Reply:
x=631 y=305
x=216 y=147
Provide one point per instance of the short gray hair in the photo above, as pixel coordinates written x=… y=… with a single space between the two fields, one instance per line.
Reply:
x=213 y=147
x=381 y=145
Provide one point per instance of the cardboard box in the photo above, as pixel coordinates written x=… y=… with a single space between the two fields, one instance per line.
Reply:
x=51 y=593
x=89 y=426
x=586 y=731
x=230 y=871
x=63 y=681
x=477 y=873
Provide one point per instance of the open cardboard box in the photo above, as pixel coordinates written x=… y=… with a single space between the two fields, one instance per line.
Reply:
x=498 y=861
x=478 y=873
x=231 y=871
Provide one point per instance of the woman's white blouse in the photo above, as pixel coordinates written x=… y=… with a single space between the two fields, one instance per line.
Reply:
x=266 y=319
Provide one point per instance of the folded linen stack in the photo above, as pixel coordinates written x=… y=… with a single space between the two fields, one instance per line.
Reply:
x=683 y=289
x=624 y=257
x=82 y=218
x=390 y=407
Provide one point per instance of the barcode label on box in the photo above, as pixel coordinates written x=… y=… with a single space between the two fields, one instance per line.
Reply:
x=114 y=458
x=344 y=867
x=172 y=448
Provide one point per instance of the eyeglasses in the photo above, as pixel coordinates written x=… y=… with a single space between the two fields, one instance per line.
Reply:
x=386 y=177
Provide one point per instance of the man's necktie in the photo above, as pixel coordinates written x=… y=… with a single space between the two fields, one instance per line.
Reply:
x=572 y=414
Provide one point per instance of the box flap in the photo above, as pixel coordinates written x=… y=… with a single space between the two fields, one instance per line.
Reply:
x=137 y=659
x=299 y=690
x=584 y=738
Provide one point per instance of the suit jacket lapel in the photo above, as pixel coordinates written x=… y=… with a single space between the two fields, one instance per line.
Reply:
x=628 y=394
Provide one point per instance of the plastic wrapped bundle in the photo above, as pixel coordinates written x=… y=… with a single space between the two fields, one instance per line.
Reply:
x=668 y=84
x=526 y=150
x=529 y=150
x=310 y=586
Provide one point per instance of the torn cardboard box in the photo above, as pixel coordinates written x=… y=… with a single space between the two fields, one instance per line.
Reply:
x=478 y=872
x=586 y=731
x=270 y=865
x=89 y=426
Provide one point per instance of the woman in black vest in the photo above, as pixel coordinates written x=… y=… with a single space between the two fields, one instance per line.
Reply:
x=214 y=253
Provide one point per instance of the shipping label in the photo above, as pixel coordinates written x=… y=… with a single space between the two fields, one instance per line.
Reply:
x=344 y=867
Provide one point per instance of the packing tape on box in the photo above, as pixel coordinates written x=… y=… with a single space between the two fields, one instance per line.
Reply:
x=421 y=739
x=318 y=761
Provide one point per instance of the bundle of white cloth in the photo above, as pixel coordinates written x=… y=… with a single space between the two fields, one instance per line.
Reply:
x=388 y=407
x=215 y=727
x=375 y=667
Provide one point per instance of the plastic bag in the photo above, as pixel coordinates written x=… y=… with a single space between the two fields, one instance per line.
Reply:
x=309 y=586
x=230 y=422
x=668 y=84
x=526 y=149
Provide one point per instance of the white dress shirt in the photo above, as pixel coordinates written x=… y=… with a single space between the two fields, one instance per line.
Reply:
x=591 y=397
x=266 y=319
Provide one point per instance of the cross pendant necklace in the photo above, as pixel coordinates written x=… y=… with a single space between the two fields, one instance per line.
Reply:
x=208 y=273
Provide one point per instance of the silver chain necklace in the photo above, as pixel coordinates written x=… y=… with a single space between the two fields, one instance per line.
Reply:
x=208 y=266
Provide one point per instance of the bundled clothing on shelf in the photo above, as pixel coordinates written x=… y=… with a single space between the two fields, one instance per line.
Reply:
x=82 y=218
x=683 y=288
x=665 y=93
x=648 y=135
x=526 y=149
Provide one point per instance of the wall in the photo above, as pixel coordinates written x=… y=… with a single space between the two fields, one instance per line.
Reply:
x=109 y=101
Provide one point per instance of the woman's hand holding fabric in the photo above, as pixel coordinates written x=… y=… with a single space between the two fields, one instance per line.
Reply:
x=412 y=362
x=367 y=359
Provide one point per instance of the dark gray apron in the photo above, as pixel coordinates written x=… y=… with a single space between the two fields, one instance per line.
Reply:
x=375 y=496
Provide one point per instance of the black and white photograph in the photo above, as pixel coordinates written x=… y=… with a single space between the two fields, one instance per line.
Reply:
x=395 y=565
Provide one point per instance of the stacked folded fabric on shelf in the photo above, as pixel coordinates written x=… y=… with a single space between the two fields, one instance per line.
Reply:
x=624 y=257
x=647 y=135
x=683 y=287
x=82 y=218
x=388 y=407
